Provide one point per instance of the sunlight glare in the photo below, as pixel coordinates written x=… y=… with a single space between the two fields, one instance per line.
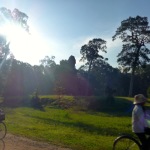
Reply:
x=24 y=46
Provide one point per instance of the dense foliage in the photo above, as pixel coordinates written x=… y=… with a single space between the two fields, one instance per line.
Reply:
x=18 y=79
x=96 y=77
x=135 y=34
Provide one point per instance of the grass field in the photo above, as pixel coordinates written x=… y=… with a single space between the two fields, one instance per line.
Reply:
x=79 y=130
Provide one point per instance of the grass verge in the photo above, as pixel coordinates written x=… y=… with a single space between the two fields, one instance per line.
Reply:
x=71 y=128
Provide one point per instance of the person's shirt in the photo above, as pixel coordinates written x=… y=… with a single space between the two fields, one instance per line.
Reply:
x=138 y=119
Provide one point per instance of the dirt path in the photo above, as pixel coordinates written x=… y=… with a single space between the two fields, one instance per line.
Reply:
x=12 y=142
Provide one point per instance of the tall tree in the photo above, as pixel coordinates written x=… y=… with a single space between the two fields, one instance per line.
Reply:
x=15 y=17
x=72 y=62
x=48 y=67
x=4 y=49
x=135 y=34
x=90 y=51
x=48 y=61
x=10 y=19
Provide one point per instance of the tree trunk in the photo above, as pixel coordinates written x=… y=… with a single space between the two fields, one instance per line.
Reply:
x=89 y=70
x=131 y=83
x=133 y=70
x=88 y=78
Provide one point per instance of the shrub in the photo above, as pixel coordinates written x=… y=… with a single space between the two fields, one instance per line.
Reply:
x=35 y=101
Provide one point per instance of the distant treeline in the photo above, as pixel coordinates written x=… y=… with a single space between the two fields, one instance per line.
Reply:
x=21 y=79
x=96 y=77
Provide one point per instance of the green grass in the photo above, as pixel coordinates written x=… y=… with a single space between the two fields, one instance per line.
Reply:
x=70 y=128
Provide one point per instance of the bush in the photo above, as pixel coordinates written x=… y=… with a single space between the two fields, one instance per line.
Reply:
x=82 y=103
x=35 y=101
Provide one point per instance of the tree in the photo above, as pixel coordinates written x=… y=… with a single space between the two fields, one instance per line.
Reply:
x=48 y=67
x=14 y=17
x=72 y=63
x=90 y=51
x=4 y=50
x=142 y=80
x=48 y=62
x=9 y=19
x=135 y=34
x=65 y=74
x=102 y=75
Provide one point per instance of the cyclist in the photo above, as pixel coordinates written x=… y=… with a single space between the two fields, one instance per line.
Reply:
x=138 y=119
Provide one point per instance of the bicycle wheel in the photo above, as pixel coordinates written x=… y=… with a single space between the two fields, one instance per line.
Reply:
x=126 y=142
x=2 y=130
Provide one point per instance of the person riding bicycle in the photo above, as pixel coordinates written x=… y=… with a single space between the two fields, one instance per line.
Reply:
x=139 y=121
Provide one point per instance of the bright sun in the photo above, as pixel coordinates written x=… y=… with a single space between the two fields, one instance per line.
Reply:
x=24 y=46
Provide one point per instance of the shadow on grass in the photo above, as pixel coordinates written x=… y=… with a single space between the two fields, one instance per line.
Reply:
x=82 y=127
x=119 y=107
x=41 y=108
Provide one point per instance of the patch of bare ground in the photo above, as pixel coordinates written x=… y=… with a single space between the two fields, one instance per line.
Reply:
x=12 y=142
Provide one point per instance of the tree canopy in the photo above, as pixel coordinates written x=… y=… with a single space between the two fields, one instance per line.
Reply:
x=93 y=78
x=135 y=34
x=90 y=51
x=9 y=19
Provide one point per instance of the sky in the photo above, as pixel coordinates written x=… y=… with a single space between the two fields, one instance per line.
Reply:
x=60 y=27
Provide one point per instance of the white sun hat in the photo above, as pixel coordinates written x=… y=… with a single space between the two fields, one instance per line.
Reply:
x=140 y=98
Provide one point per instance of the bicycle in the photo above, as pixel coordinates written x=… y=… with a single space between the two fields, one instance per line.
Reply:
x=126 y=142
x=3 y=128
